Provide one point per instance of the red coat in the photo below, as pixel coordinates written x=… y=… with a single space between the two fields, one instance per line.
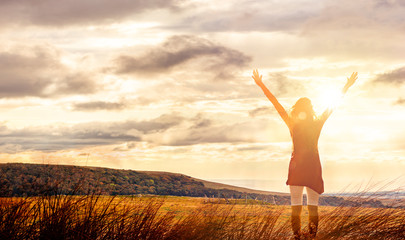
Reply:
x=305 y=166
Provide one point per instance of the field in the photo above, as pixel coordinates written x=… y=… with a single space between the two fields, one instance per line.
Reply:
x=150 y=217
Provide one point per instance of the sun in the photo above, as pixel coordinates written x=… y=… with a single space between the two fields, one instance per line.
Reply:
x=328 y=98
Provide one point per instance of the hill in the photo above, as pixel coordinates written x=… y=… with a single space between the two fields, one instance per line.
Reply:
x=215 y=185
x=20 y=179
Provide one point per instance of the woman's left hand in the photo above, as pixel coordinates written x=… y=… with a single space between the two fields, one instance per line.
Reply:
x=351 y=80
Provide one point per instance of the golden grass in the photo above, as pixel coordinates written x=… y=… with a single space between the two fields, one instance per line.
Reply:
x=150 y=217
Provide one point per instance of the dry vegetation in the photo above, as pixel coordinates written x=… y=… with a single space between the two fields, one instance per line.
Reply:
x=94 y=216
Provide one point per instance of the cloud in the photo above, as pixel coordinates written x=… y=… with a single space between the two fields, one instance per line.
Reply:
x=201 y=129
x=23 y=75
x=185 y=69
x=286 y=86
x=293 y=16
x=199 y=121
x=100 y=105
x=38 y=71
x=400 y=101
x=344 y=15
x=167 y=130
x=178 y=51
x=75 y=83
x=396 y=77
x=296 y=17
x=224 y=133
x=249 y=16
x=261 y=111
x=159 y=124
x=330 y=29
x=54 y=138
x=56 y=13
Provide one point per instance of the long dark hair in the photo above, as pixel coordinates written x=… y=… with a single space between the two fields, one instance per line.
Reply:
x=302 y=110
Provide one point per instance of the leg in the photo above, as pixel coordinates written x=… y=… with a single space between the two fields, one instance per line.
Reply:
x=296 y=208
x=313 y=198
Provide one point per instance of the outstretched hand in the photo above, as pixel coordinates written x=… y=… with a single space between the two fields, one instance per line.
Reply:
x=351 y=80
x=257 y=77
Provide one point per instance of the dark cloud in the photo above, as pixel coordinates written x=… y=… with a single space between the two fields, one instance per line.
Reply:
x=199 y=121
x=39 y=72
x=100 y=105
x=23 y=75
x=179 y=50
x=128 y=146
x=396 y=76
x=49 y=12
x=82 y=135
x=75 y=83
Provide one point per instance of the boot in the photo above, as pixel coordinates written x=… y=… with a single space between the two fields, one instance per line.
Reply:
x=313 y=220
x=296 y=221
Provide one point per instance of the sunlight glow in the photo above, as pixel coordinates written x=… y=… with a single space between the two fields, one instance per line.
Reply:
x=329 y=98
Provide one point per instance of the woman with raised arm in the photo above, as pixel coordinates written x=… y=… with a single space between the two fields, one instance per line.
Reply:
x=305 y=167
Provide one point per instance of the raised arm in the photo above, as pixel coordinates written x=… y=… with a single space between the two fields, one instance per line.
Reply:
x=280 y=109
x=350 y=81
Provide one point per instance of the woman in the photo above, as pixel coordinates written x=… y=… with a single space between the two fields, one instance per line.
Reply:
x=305 y=167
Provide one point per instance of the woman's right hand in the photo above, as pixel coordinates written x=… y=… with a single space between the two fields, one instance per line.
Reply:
x=257 y=77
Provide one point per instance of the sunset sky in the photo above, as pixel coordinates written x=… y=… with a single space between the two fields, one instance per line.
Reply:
x=166 y=85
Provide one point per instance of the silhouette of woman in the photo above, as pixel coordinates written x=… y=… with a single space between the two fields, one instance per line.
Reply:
x=305 y=167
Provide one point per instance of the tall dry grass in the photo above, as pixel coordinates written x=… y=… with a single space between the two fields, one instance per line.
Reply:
x=92 y=216
x=360 y=221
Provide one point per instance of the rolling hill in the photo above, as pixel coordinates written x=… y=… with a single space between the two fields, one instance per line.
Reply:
x=21 y=179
